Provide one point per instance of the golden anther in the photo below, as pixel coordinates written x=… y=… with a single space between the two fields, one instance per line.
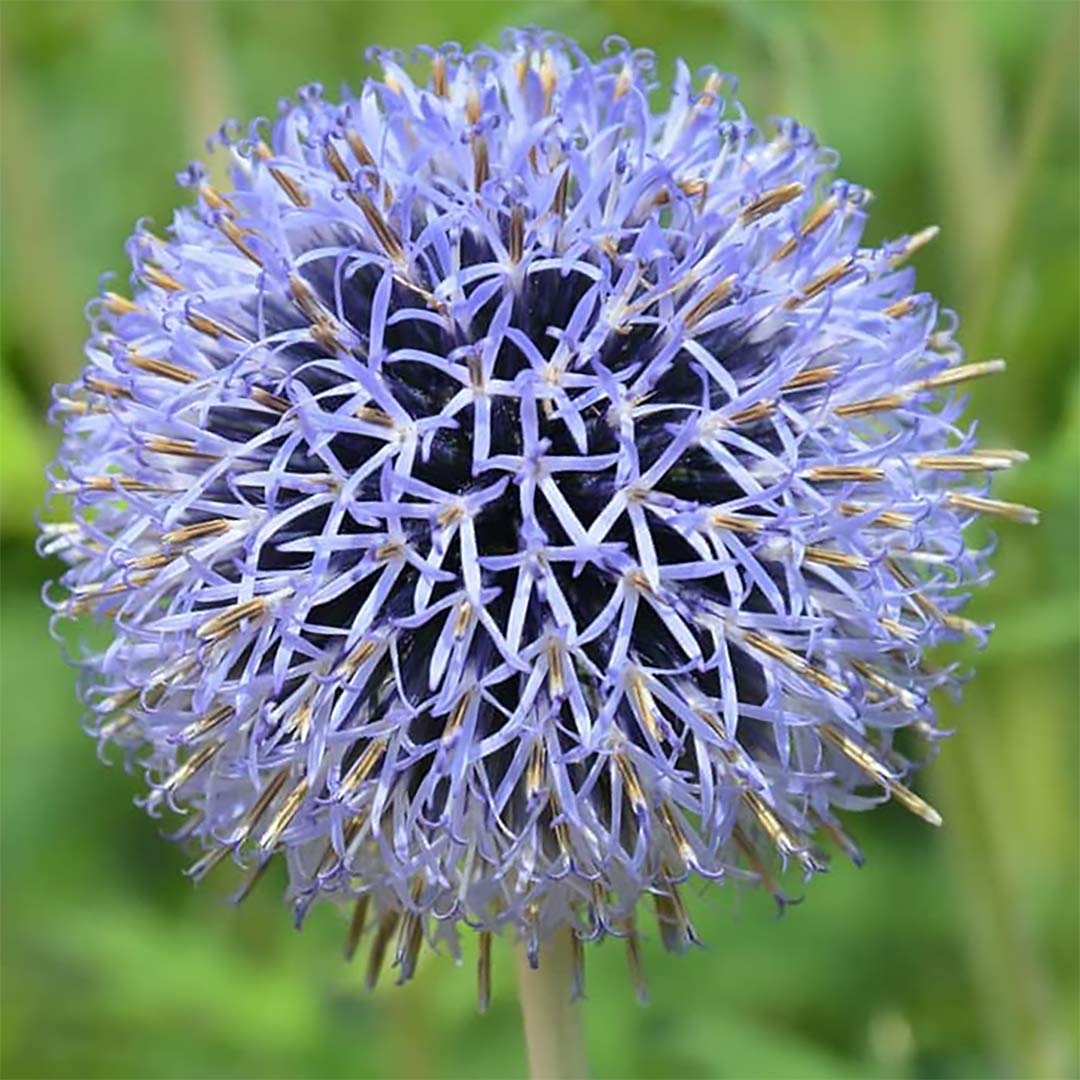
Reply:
x=865 y=407
x=839 y=559
x=834 y=274
x=156 y=276
x=770 y=201
x=864 y=759
x=105 y=387
x=472 y=107
x=885 y=685
x=235 y=235
x=913 y=244
x=926 y=605
x=735 y=523
x=889 y=519
x=516 y=234
x=439 y=82
x=760 y=410
x=537 y=770
x=462 y=619
x=268 y=400
x=981 y=504
x=976 y=461
x=960 y=374
x=207 y=722
x=197 y=531
x=900 y=308
x=712 y=300
x=794 y=662
x=811 y=377
x=483 y=971
x=387 y=925
x=190 y=767
x=285 y=815
x=119 y=305
x=211 y=327
x=828 y=474
x=361 y=768
x=372 y=414
x=177 y=447
x=356 y=925
x=549 y=79
x=351 y=664
x=123 y=483
x=556 y=682
x=644 y=705
x=213 y=198
x=225 y=622
x=166 y=369
x=457 y=716
x=631 y=782
x=292 y=189
x=674 y=829
x=481 y=162
x=814 y=220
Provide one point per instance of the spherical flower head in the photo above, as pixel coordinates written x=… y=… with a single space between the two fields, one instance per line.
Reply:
x=510 y=500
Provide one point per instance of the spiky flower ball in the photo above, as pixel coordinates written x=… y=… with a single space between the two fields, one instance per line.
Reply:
x=510 y=500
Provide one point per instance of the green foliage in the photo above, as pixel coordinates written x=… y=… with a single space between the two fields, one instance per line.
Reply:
x=952 y=954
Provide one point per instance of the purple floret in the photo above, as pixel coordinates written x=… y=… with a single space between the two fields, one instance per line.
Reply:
x=509 y=500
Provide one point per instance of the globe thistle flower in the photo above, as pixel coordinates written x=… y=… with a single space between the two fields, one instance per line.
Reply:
x=510 y=501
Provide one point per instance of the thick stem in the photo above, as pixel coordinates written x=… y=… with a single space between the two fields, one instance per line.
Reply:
x=553 y=1034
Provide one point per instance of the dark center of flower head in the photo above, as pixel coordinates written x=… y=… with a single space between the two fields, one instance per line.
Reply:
x=510 y=501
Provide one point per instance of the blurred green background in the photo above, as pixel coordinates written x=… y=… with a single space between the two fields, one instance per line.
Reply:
x=953 y=953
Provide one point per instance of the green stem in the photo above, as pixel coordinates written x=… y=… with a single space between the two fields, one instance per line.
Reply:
x=553 y=1036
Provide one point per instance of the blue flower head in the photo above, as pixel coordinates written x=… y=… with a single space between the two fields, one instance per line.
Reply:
x=510 y=500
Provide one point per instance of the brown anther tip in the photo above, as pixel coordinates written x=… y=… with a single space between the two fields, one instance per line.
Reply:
x=831 y=276
x=710 y=301
x=483 y=971
x=119 y=305
x=225 y=622
x=916 y=242
x=197 y=531
x=981 y=504
x=105 y=387
x=154 y=365
x=439 y=83
x=735 y=523
x=213 y=198
x=562 y=192
x=760 y=410
x=236 y=236
x=811 y=377
x=337 y=163
x=356 y=925
x=516 y=234
x=472 y=106
x=156 y=276
x=177 y=447
x=829 y=474
x=549 y=80
x=284 y=817
x=900 y=308
x=813 y=221
x=268 y=400
x=295 y=193
x=481 y=161
x=462 y=619
x=770 y=201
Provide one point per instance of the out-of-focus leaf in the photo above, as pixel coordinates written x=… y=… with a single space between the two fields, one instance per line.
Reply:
x=24 y=452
